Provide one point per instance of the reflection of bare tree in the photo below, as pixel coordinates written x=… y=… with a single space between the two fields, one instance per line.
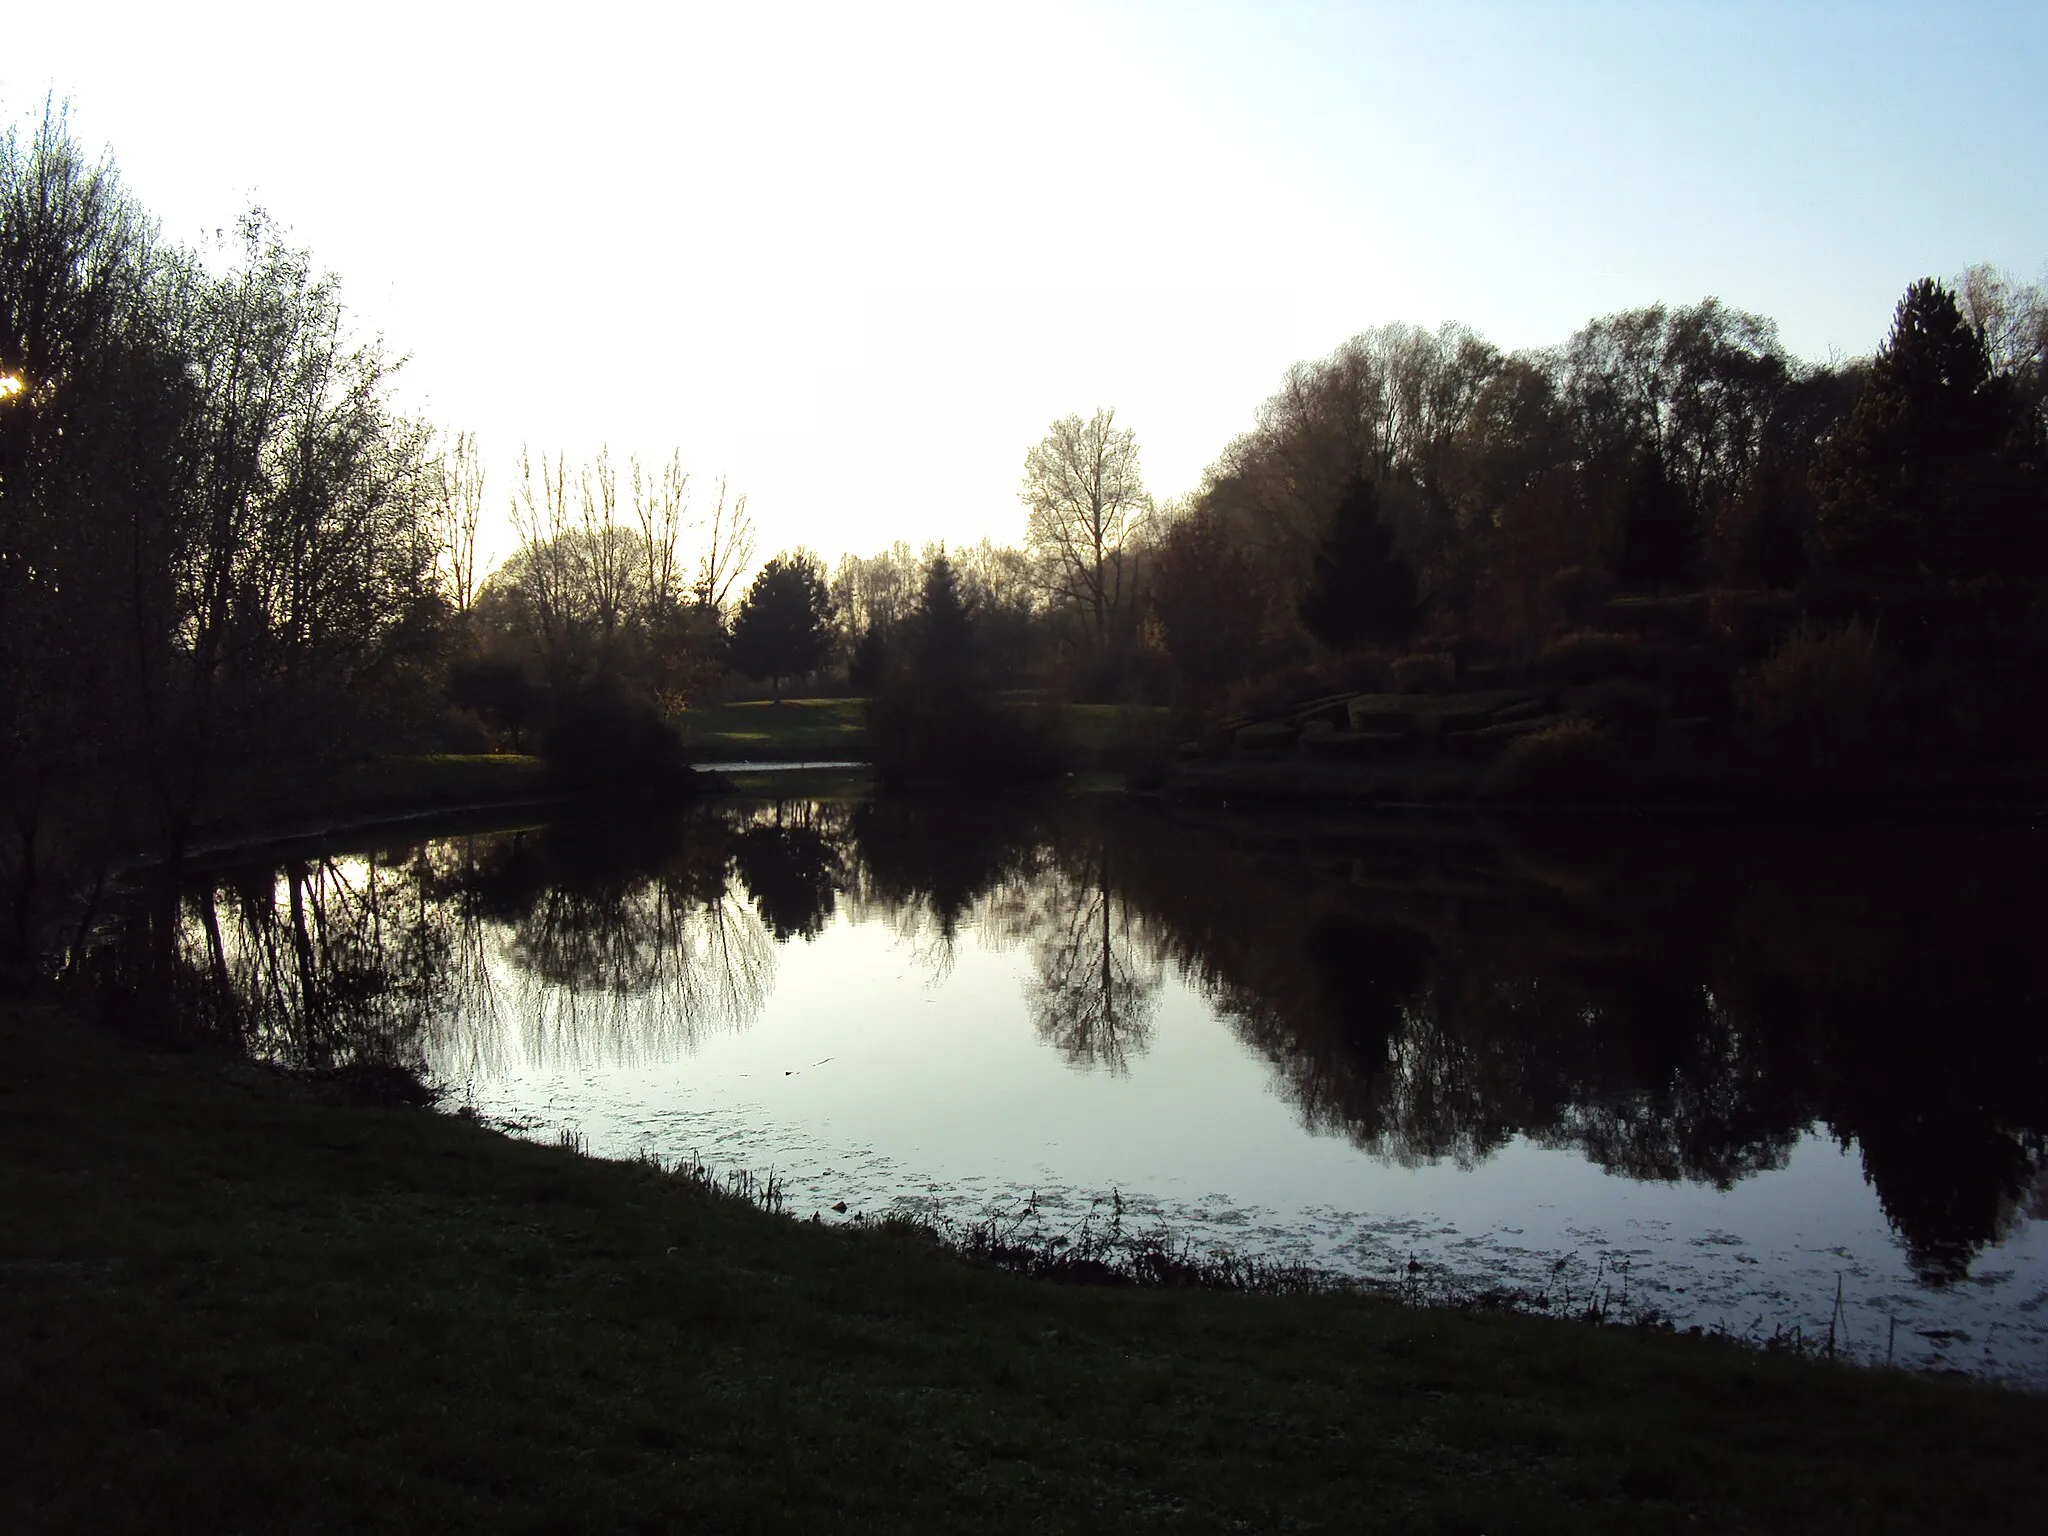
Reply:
x=412 y=959
x=635 y=966
x=664 y=967
x=325 y=963
x=1097 y=969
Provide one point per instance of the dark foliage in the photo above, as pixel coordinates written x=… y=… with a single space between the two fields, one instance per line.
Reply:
x=501 y=692
x=1361 y=590
x=1658 y=533
x=784 y=625
x=1211 y=602
x=1938 y=472
x=605 y=740
x=931 y=720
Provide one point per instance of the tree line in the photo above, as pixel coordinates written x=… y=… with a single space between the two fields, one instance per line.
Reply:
x=226 y=553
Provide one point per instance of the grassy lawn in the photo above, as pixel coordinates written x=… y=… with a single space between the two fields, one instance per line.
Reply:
x=794 y=730
x=230 y=1304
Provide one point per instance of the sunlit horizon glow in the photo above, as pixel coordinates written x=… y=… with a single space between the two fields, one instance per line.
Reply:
x=856 y=261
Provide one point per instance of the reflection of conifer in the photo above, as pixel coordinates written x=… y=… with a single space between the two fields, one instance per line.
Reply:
x=1361 y=590
x=793 y=874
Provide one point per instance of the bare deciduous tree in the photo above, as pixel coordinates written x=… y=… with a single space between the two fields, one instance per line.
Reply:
x=607 y=546
x=728 y=549
x=461 y=511
x=661 y=506
x=1087 y=505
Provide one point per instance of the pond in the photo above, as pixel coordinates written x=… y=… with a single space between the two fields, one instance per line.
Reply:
x=1781 y=1083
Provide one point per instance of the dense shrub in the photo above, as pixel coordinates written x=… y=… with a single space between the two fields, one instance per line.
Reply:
x=1700 y=679
x=1575 y=594
x=1822 y=699
x=1589 y=656
x=1426 y=672
x=500 y=692
x=1572 y=760
x=917 y=735
x=607 y=741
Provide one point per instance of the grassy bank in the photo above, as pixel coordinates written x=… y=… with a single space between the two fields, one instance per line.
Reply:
x=234 y=1304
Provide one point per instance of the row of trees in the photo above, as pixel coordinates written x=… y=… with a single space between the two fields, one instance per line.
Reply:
x=1428 y=482
x=227 y=556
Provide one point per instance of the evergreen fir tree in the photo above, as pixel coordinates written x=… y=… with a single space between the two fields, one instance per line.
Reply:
x=784 y=625
x=1937 y=473
x=1361 y=590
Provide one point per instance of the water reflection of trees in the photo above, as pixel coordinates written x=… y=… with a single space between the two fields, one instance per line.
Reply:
x=316 y=964
x=1095 y=966
x=1675 y=1005
x=584 y=941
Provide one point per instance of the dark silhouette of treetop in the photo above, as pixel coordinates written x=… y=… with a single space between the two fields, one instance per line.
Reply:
x=943 y=627
x=1658 y=536
x=1937 y=470
x=784 y=625
x=1361 y=589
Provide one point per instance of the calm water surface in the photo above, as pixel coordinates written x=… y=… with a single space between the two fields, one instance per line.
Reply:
x=1716 y=1077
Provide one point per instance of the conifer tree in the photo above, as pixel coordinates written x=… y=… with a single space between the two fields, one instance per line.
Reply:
x=1938 y=471
x=1361 y=589
x=784 y=625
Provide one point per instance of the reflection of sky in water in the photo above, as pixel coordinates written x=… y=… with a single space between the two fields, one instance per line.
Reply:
x=874 y=1075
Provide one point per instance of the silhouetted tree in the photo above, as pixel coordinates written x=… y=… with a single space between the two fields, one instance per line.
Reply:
x=870 y=656
x=500 y=691
x=1211 y=602
x=784 y=625
x=1360 y=588
x=1938 y=471
x=944 y=638
x=1658 y=537
x=932 y=715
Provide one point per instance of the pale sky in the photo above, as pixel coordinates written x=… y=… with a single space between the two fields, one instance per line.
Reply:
x=856 y=257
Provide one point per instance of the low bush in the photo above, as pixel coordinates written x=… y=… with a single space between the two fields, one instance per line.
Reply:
x=1591 y=655
x=1362 y=671
x=1571 y=760
x=1575 y=594
x=1426 y=672
x=916 y=735
x=606 y=741
x=1629 y=710
x=1821 y=700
